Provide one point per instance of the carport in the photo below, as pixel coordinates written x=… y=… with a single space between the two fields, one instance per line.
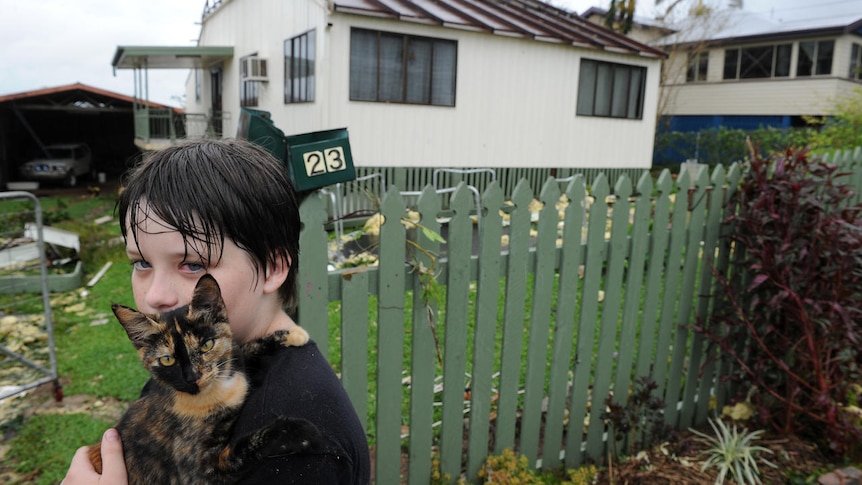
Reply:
x=77 y=112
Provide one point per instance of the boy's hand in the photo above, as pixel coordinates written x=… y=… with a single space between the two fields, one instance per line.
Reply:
x=81 y=471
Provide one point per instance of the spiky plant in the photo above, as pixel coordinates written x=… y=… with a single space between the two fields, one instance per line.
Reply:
x=732 y=452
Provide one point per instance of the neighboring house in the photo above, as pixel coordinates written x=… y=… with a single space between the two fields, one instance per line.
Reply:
x=448 y=83
x=743 y=70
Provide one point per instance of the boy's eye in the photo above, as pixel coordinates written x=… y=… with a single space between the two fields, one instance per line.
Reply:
x=195 y=267
x=167 y=360
x=208 y=345
x=140 y=264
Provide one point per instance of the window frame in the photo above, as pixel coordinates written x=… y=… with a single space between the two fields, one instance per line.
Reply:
x=599 y=91
x=396 y=81
x=249 y=90
x=299 y=76
x=813 y=65
x=697 y=66
x=855 y=70
x=743 y=63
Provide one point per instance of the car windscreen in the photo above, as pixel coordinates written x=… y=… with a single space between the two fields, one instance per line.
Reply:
x=60 y=153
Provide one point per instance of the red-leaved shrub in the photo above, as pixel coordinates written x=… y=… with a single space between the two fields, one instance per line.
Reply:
x=790 y=320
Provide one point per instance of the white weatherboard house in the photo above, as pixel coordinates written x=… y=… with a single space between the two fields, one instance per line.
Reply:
x=444 y=83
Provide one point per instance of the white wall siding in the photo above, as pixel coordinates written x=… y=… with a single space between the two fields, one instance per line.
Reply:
x=515 y=106
x=815 y=96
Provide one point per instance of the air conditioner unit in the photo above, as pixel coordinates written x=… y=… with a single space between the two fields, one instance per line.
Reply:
x=253 y=69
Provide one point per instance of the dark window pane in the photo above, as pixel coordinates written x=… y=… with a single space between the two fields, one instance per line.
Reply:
x=604 y=79
x=391 y=68
x=363 y=65
x=288 y=70
x=311 y=65
x=825 y=49
x=805 y=62
x=731 y=63
x=636 y=96
x=587 y=88
x=419 y=71
x=756 y=62
x=443 y=73
x=782 y=59
x=621 y=91
x=855 y=62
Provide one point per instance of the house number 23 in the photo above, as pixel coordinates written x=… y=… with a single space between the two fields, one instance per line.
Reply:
x=321 y=162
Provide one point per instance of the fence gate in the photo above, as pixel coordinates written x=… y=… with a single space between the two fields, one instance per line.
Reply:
x=28 y=358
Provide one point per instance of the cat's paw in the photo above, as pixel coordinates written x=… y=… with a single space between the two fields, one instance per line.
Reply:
x=287 y=436
x=297 y=337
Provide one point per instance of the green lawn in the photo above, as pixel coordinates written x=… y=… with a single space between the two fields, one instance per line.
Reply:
x=94 y=356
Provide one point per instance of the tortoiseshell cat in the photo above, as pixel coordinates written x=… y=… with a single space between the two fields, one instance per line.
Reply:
x=179 y=431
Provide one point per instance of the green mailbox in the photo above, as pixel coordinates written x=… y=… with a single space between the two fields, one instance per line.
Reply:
x=313 y=160
x=320 y=158
x=257 y=127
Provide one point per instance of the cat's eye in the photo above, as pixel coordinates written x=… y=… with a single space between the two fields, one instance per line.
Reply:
x=208 y=345
x=167 y=360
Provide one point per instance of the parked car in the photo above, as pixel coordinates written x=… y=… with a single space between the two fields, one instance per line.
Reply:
x=65 y=163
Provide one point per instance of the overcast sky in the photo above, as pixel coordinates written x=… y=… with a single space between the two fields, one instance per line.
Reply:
x=49 y=43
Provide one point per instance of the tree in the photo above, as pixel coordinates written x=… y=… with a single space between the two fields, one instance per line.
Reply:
x=621 y=14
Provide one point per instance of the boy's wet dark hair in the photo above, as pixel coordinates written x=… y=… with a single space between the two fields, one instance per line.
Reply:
x=215 y=189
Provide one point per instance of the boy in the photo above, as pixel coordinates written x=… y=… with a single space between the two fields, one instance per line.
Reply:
x=228 y=208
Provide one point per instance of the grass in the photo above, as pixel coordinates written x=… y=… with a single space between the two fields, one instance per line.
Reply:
x=41 y=451
x=94 y=356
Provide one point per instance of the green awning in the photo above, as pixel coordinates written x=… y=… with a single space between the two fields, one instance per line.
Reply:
x=168 y=57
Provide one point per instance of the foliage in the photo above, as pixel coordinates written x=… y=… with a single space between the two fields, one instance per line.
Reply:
x=844 y=129
x=732 y=453
x=511 y=469
x=620 y=15
x=722 y=145
x=640 y=420
x=794 y=299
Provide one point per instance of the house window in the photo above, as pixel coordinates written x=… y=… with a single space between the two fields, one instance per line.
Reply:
x=299 y=60
x=856 y=62
x=249 y=85
x=757 y=62
x=698 y=62
x=611 y=89
x=397 y=68
x=815 y=58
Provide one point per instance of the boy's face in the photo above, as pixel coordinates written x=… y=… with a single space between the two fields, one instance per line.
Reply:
x=165 y=271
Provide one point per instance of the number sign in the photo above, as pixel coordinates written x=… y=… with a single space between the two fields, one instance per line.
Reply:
x=322 y=162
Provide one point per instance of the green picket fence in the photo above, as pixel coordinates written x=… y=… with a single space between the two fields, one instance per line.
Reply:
x=541 y=316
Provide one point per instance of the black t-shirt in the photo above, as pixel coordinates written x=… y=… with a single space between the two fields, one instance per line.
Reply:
x=298 y=382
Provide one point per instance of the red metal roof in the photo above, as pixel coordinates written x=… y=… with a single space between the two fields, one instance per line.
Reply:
x=531 y=19
x=77 y=87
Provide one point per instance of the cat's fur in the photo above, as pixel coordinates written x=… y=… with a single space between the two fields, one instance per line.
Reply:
x=180 y=430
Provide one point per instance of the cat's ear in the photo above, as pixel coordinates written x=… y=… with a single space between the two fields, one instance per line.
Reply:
x=139 y=327
x=207 y=297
